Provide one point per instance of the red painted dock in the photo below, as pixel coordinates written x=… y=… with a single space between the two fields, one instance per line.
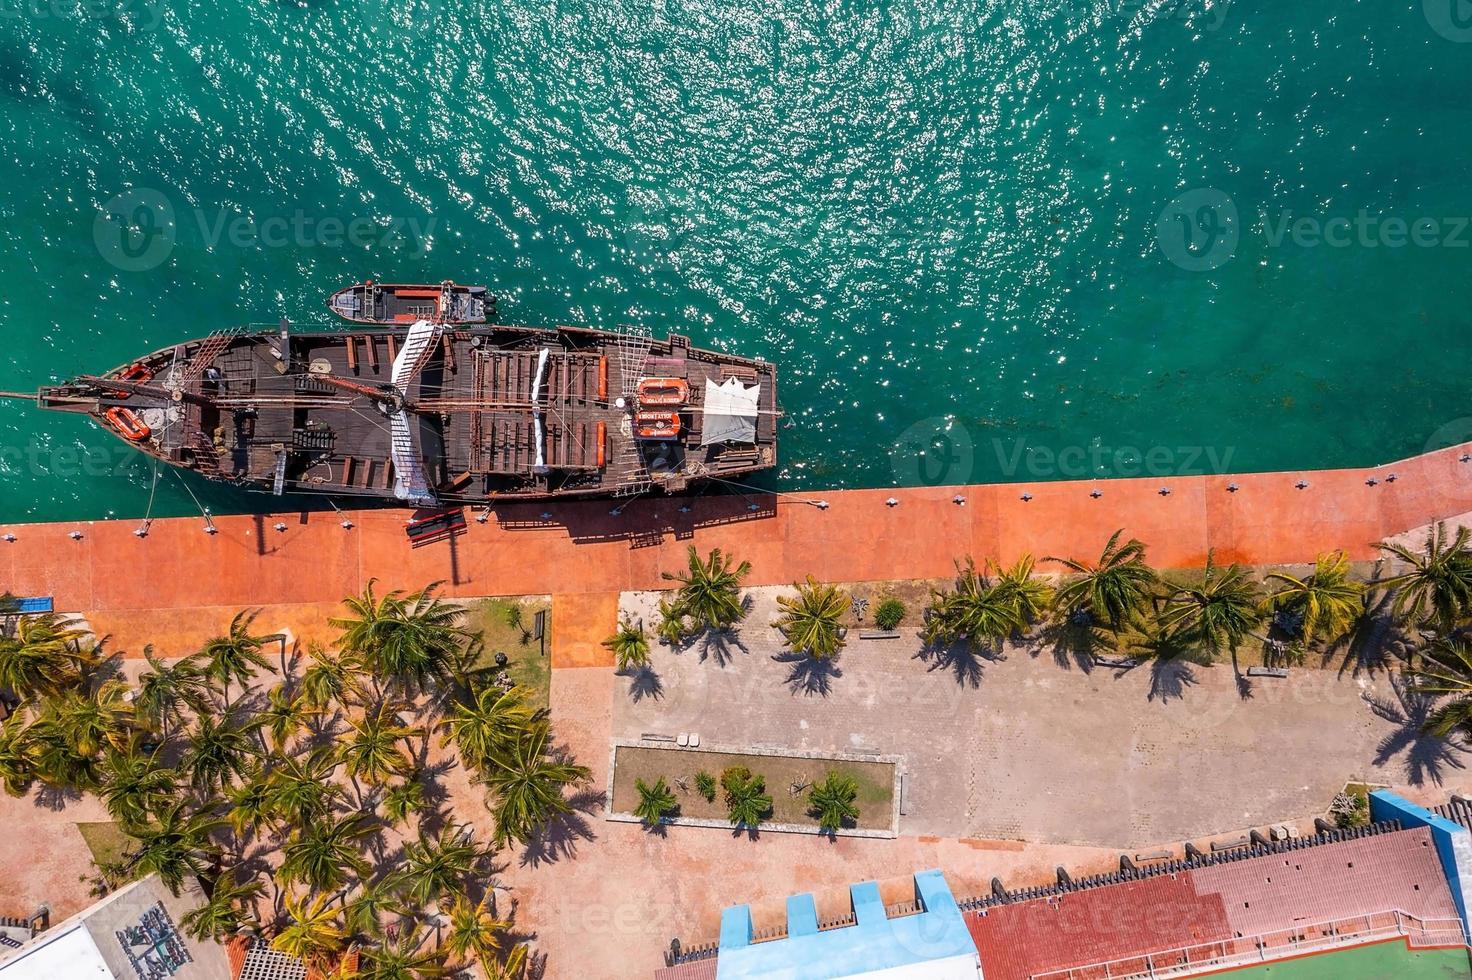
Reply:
x=582 y=548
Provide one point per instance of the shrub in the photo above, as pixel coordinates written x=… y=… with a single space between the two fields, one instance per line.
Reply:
x=734 y=776
x=655 y=802
x=746 y=796
x=705 y=785
x=889 y=614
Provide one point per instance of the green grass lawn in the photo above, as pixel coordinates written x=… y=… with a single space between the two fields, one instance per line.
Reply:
x=1382 y=961
x=529 y=666
x=107 y=842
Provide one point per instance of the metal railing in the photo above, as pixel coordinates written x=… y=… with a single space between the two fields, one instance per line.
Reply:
x=1266 y=947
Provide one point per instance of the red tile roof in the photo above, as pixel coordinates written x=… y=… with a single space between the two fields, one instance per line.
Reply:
x=1284 y=890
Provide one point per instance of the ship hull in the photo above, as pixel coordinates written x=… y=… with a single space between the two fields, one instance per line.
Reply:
x=492 y=413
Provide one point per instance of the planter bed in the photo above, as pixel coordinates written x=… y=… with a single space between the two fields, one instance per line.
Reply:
x=876 y=781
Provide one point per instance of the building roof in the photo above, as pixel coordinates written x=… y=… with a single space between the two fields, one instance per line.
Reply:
x=132 y=934
x=1283 y=890
x=931 y=944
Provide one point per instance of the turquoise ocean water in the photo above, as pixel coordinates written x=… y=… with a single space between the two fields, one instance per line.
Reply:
x=1003 y=240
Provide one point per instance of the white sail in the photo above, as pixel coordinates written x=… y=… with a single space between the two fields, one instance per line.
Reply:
x=410 y=483
x=418 y=347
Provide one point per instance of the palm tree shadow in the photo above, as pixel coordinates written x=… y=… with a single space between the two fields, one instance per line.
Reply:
x=1426 y=756
x=720 y=646
x=1072 y=644
x=57 y=798
x=809 y=675
x=963 y=659
x=1170 y=677
x=559 y=840
x=645 y=683
x=1373 y=641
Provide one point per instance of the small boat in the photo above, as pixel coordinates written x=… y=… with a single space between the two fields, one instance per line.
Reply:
x=663 y=392
x=378 y=303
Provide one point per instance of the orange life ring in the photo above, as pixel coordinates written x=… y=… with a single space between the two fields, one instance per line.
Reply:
x=663 y=391
x=127 y=422
x=657 y=425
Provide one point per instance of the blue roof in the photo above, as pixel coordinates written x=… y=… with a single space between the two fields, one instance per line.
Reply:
x=875 y=942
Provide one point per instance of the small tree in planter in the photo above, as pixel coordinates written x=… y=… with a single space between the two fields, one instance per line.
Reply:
x=630 y=645
x=705 y=785
x=832 y=801
x=672 y=628
x=655 y=802
x=889 y=614
x=746 y=796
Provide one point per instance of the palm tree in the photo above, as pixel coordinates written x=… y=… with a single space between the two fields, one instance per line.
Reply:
x=527 y=786
x=1029 y=595
x=165 y=690
x=630 y=645
x=1325 y=604
x=49 y=752
x=226 y=911
x=300 y=790
x=43 y=656
x=975 y=611
x=710 y=591
x=283 y=716
x=404 y=799
x=236 y=656
x=406 y=958
x=328 y=678
x=439 y=866
x=1112 y=591
x=94 y=720
x=251 y=805
x=16 y=770
x=219 y=753
x=672 y=627
x=312 y=932
x=513 y=967
x=176 y=844
x=493 y=720
x=364 y=913
x=812 y=623
x=832 y=801
x=1217 y=613
x=655 y=802
x=1438 y=585
x=372 y=752
x=746 y=796
x=475 y=932
x=135 y=786
x=410 y=639
x=323 y=853
x=1446 y=670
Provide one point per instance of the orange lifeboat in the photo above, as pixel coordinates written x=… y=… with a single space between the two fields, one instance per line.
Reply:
x=664 y=391
x=137 y=372
x=126 y=421
x=657 y=425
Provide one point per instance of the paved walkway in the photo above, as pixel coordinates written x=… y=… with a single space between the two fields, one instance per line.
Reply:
x=1031 y=749
x=581 y=548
